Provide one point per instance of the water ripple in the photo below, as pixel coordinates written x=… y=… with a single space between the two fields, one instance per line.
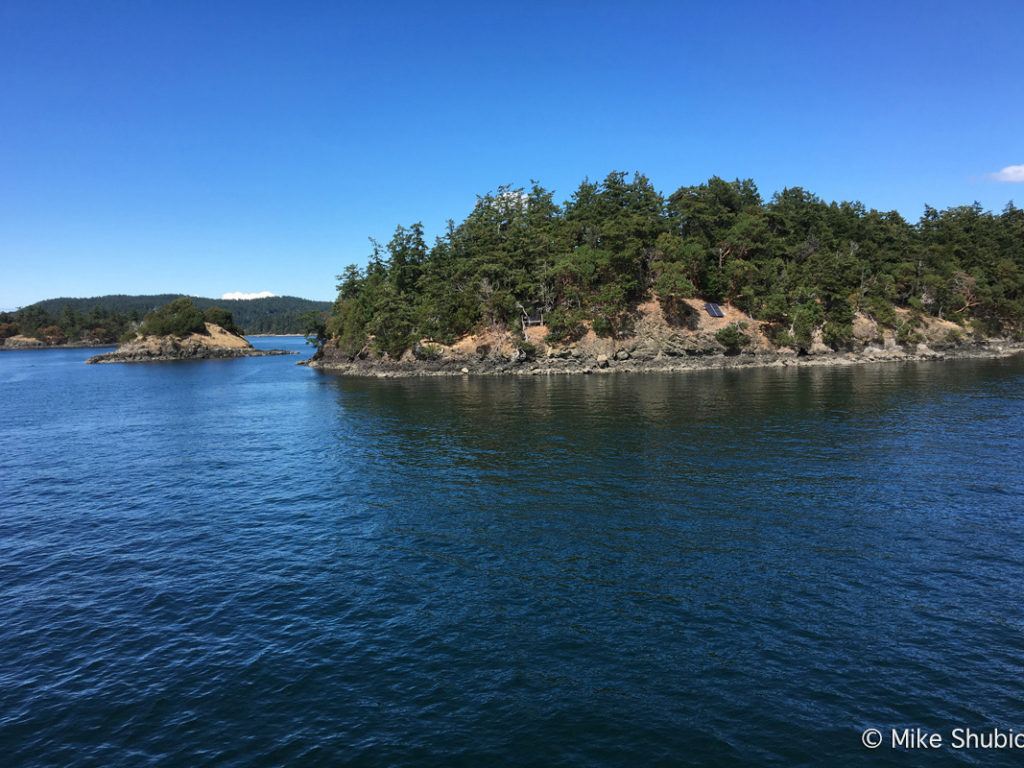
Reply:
x=254 y=564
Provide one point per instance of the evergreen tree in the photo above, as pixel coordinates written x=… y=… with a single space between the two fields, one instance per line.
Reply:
x=795 y=262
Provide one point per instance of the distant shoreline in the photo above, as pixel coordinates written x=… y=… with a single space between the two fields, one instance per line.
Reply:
x=84 y=345
x=44 y=346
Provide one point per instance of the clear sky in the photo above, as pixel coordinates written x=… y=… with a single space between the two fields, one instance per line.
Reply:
x=207 y=147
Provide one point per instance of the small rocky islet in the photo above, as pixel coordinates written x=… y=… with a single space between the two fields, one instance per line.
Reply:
x=218 y=344
x=179 y=331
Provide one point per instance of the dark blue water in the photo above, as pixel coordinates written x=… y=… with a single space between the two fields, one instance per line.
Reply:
x=250 y=563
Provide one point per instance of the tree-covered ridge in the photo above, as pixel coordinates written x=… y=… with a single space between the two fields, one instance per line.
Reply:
x=274 y=314
x=179 y=317
x=97 y=325
x=795 y=262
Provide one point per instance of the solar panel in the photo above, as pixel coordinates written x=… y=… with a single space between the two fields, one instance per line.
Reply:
x=714 y=310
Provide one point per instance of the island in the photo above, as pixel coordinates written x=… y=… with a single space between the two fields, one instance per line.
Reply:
x=623 y=278
x=104 y=321
x=180 y=331
x=35 y=327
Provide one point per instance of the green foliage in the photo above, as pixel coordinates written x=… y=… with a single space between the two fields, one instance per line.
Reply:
x=806 y=318
x=953 y=338
x=391 y=326
x=780 y=337
x=274 y=314
x=907 y=335
x=837 y=331
x=314 y=328
x=178 y=318
x=837 y=335
x=882 y=311
x=733 y=337
x=797 y=262
x=565 y=325
x=223 y=318
x=427 y=351
x=527 y=350
x=66 y=325
x=673 y=285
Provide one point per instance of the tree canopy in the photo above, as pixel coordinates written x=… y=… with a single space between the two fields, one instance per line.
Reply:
x=272 y=314
x=178 y=318
x=98 y=325
x=223 y=318
x=795 y=262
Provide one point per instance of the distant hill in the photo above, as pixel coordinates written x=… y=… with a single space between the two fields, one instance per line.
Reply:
x=275 y=314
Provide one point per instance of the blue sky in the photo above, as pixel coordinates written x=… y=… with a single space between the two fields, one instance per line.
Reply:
x=210 y=147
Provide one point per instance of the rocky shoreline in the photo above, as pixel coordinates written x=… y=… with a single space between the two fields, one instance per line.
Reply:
x=627 y=363
x=657 y=344
x=208 y=354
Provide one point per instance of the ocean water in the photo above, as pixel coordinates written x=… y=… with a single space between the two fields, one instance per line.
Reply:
x=251 y=563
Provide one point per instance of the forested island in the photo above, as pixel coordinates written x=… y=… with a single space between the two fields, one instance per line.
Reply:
x=180 y=330
x=619 y=275
x=106 y=320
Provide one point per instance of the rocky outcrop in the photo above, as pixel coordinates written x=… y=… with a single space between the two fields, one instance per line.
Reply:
x=22 y=342
x=658 y=345
x=216 y=343
x=27 y=342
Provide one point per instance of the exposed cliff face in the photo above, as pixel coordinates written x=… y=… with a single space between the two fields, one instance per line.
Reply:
x=656 y=344
x=216 y=343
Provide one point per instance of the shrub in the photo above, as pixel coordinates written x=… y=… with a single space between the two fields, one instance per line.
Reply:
x=604 y=326
x=954 y=338
x=427 y=352
x=881 y=311
x=837 y=334
x=733 y=337
x=906 y=335
x=564 y=325
x=527 y=351
x=781 y=337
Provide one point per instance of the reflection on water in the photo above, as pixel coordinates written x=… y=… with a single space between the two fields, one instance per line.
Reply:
x=253 y=563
